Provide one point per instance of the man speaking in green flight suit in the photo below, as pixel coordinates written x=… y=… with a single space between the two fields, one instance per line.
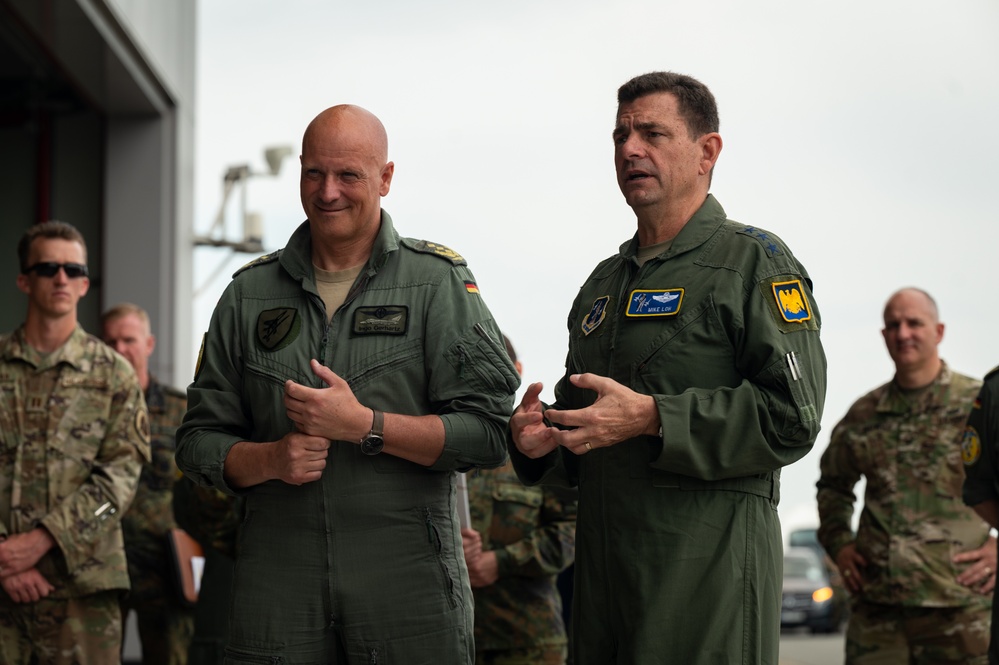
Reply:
x=694 y=374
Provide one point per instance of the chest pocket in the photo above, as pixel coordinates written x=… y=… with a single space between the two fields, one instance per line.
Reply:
x=693 y=350
x=263 y=400
x=79 y=416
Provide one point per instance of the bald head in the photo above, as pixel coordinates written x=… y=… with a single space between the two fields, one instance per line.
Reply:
x=356 y=127
x=345 y=173
x=912 y=334
x=916 y=296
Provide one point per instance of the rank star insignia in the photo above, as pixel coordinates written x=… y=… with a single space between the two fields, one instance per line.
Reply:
x=277 y=328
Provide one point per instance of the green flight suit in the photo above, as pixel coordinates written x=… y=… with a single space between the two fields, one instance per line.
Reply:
x=678 y=544
x=366 y=564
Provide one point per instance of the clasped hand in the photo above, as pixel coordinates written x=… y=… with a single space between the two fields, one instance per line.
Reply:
x=321 y=415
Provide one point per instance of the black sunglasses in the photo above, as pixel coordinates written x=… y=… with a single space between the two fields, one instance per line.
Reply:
x=49 y=269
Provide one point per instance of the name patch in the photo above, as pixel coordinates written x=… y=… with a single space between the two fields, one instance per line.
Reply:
x=381 y=320
x=654 y=302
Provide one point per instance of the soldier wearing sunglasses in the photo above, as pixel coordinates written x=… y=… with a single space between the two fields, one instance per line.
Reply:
x=74 y=433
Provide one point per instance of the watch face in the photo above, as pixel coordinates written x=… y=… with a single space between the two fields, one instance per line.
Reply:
x=372 y=445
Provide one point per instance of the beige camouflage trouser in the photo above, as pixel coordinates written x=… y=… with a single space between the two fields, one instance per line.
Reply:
x=74 y=631
x=890 y=635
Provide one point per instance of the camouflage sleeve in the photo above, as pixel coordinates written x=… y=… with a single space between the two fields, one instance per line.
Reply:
x=978 y=446
x=83 y=518
x=838 y=477
x=549 y=549
x=208 y=515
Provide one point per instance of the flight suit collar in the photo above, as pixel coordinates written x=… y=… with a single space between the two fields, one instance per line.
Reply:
x=296 y=258
x=698 y=229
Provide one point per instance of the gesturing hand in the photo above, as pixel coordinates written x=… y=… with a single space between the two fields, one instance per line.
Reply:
x=619 y=413
x=527 y=425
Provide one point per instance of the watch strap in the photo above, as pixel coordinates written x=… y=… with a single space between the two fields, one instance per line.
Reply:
x=377 y=423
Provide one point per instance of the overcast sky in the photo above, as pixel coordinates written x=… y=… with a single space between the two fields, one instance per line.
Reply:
x=863 y=133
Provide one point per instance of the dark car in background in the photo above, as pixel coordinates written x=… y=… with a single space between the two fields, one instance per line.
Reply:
x=808 y=597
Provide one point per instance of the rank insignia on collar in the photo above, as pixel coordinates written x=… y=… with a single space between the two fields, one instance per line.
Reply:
x=654 y=302
x=596 y=315
x=971 y=446
x=277 y=328
x=791 y=301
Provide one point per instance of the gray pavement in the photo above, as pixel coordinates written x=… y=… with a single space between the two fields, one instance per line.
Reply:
x=799 y=647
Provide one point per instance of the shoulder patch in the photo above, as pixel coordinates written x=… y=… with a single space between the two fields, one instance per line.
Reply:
x=142 y=423
x=971 y=446
x=201 y=357
x=259 y=261
x=770 y=243
x=787 y=299
x=427 y=247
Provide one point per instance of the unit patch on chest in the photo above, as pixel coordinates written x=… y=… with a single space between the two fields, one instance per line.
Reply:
x=596 y=316
x=277 y=328
x=654 y=302
x=381 y=320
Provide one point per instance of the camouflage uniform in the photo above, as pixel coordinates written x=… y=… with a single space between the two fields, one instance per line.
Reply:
x=533 y=532
x=74 y=433
x=906 y=444
x=980 y=451
x=212 y=518
x=165 y=624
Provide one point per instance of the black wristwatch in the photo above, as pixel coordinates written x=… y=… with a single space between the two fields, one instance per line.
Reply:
x=373 y=443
